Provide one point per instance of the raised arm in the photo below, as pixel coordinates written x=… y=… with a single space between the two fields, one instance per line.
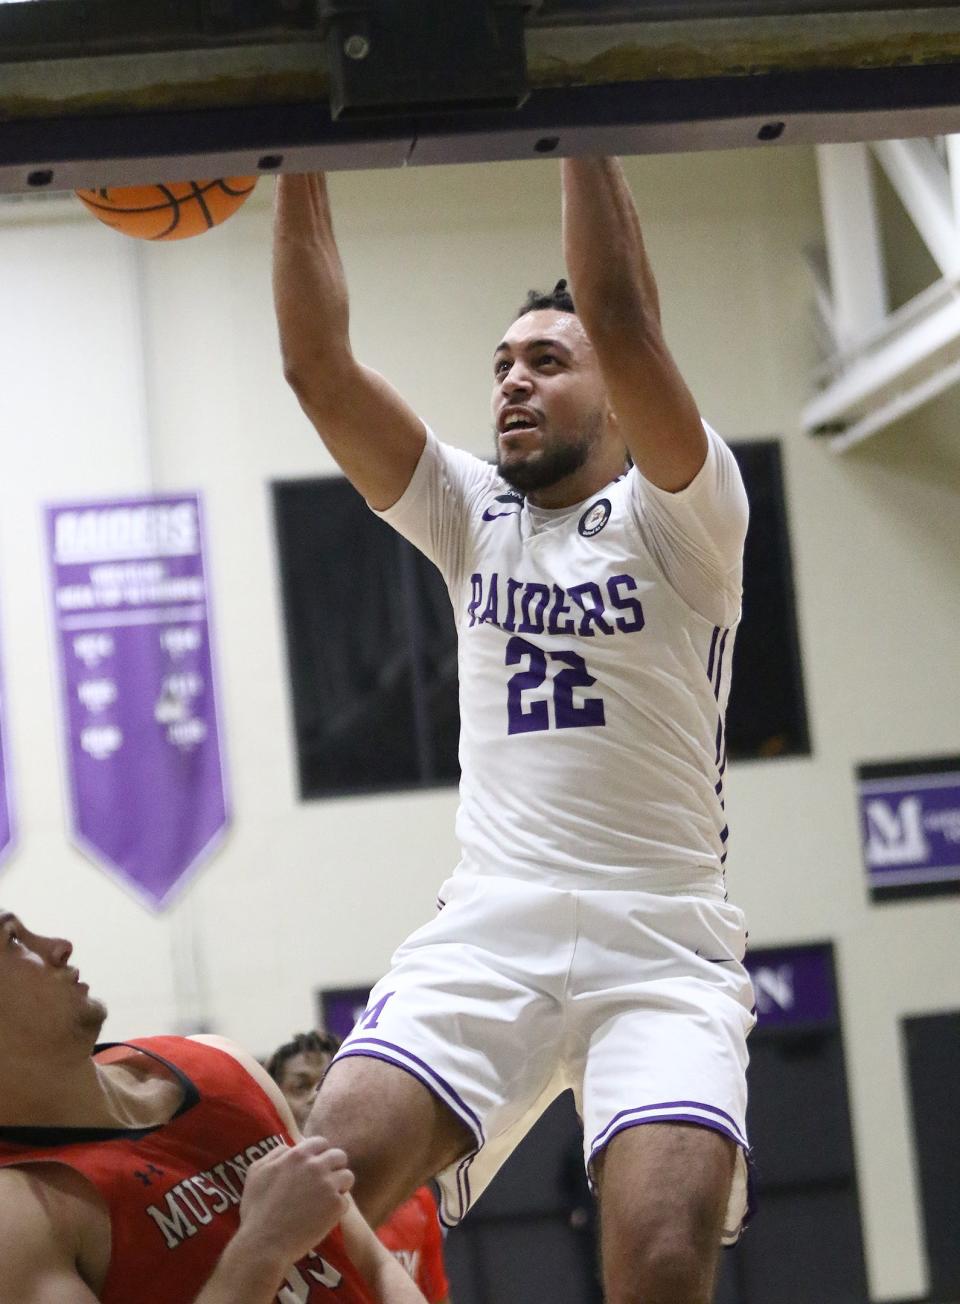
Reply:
x=371 y=432
x=616 y=299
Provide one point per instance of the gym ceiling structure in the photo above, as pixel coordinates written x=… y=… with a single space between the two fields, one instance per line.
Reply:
x=109 y=92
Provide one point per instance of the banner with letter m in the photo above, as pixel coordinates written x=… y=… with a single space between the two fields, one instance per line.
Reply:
x=910 y=826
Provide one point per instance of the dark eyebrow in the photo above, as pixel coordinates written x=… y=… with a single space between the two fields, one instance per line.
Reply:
x=7 y=916
x=504 y=347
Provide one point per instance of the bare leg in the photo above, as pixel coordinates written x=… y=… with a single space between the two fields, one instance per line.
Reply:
x=396 y=1133
x=663 y=1195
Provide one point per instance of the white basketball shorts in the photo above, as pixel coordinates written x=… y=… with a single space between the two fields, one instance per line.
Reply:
x=638 y=1001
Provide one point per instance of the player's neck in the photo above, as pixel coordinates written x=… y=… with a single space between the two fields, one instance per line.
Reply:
x=84 y=1094
x=586 y=481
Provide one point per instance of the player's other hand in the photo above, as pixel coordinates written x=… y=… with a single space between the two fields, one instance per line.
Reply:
x=295 y=1196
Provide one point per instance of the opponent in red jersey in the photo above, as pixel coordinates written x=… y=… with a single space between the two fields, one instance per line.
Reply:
x=412 y=1233
x=160 y=1170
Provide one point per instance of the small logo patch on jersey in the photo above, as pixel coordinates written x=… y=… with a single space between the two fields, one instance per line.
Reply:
x=510 y=502
x=147 y=1177
x=595 y=518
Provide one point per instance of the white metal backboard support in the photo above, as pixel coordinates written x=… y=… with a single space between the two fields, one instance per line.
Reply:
x=885 y=365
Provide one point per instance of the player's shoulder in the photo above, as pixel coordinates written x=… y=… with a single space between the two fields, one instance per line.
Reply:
x=45 y=1199
x=54 y=1233
x=475 y=475
x=254 y=1069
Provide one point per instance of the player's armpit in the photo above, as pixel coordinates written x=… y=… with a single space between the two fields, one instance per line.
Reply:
x=38 y=1245
x=389 y=1283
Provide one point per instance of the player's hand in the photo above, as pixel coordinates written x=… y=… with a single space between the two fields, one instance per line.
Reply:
x=294 y=1197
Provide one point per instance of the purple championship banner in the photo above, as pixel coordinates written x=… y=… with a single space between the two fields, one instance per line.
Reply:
x=910 y=827
x=794 y=986
x=139 y=708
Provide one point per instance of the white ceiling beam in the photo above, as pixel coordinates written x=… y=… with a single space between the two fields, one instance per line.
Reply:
x=899 y=405
x=924 y=187
x=898 y=363
x=858 y=286
x=824 y=317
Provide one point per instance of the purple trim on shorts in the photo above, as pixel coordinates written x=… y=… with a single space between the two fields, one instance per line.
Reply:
x=723 y=645
x=463 y=1178
x=713 y=648
x=398 y=1057
x=358 y=1045
x=599 y=1141
x=752 y=1196
x=713 y=1125
x=463 y=1193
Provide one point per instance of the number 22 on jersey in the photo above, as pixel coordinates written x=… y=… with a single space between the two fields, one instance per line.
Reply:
x=569 y=671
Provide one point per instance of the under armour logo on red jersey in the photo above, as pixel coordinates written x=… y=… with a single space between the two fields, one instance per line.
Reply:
x=146 y=1177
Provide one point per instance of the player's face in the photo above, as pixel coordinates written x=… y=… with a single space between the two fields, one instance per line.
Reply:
x=549 y=403
x=42 y=999
x=300 y=1077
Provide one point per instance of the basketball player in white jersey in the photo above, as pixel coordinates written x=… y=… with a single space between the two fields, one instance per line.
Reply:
x=585 y=939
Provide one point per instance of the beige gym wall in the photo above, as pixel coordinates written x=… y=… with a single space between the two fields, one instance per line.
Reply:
x=129 y=367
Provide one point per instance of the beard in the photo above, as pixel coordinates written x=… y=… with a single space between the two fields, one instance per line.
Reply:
x=547 y=466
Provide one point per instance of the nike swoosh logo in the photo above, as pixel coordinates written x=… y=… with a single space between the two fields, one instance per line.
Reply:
x=511 y=500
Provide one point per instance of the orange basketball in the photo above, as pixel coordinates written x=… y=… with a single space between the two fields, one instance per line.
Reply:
x=169 y=210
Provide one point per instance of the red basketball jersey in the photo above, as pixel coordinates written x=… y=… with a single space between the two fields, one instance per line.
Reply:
x=412 y=1234
x=173 y=1191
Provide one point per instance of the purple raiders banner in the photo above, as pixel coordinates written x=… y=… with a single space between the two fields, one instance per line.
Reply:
x=139 y=708
x=794 y=986
x=910 y=827
x=339 y=1008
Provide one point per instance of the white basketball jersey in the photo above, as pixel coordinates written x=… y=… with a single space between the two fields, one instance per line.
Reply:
x=592 y=693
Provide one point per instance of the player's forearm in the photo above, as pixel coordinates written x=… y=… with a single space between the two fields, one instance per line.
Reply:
x=391 y=1284
x=310 y=289
x=248 y=1272
x=610 y=274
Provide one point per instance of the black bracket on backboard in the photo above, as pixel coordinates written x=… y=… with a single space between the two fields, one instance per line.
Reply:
x=390 y=57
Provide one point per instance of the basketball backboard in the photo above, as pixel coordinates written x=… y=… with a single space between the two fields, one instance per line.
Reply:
x=96 y=92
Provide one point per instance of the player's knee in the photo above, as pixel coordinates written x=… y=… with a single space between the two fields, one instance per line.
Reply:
x=664 y=1269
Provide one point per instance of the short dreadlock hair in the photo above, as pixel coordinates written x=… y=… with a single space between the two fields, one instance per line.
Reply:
x=301 y=1043
x=559 y=298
